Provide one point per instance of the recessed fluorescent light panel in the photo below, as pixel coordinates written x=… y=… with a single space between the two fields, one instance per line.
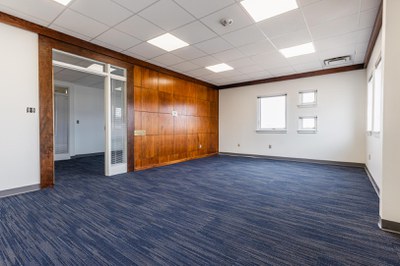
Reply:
x=63 y=2
x=168 y=42
x=307 y=48
x=264 y=9
x=219 y=68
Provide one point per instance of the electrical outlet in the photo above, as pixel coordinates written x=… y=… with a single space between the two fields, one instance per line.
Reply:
x=269 y=146
x=174 y=113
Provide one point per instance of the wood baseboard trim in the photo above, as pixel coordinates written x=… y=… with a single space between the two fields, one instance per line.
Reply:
x=174 y=162
x=20 y=190
x=371 y=179
x=389 y=226
x=301 y=160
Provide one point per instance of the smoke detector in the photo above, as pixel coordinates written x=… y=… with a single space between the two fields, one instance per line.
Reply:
x=337 y=60
x=226 y=22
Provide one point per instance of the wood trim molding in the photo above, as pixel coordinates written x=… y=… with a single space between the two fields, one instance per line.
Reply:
x=295 y=76
x=130 y=109
x=374 y=35
x=41 y=30
x=46 y=114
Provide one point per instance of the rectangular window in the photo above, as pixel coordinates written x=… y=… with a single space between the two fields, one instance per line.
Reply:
x=307 y=98
x=272 y=113
x=376 y=126
x=370 y=102
x=307 y=124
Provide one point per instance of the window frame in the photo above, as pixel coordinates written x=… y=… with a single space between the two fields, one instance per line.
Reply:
x=378 y=108
x=271 y=130
x=304 y=105
x=370 y=105
x=302 y=130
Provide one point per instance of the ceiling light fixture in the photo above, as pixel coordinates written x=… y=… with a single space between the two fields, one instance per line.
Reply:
x=168 y=42
x=63 y=2
x=302 y=49
x=219 y=68
x=264 y=9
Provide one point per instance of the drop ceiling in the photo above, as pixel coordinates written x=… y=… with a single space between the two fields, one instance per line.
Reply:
x=336 y=27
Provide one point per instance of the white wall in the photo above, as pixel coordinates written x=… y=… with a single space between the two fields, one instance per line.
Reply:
x=340 y=111
x=19 y=134
x=374 y=141
x=390 y=190
x=87 y=106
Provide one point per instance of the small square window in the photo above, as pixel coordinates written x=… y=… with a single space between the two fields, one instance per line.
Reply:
x=307 y=98
x=307 y=124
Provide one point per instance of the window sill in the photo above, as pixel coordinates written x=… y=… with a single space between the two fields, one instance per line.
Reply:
x=272 y=131
x=307 y=131
x=307 y=105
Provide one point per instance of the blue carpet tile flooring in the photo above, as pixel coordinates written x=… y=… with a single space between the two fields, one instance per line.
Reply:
x=214 y=211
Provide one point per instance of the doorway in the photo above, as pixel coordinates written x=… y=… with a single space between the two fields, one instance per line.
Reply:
x=90 y=112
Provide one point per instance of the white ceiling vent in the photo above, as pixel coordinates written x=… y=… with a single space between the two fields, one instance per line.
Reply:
x=336 y=61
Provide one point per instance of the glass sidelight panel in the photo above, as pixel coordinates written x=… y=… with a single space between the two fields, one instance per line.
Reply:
x=116 y=156
x=118 y=122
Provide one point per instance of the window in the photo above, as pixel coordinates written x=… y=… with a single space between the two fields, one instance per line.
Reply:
x=272 y=113
x=307 y=98
x=376 y=126
x=370 y=104
x=307 y=124
x=374 y=100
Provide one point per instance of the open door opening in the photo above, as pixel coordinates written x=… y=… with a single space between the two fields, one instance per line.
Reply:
x=90 y=129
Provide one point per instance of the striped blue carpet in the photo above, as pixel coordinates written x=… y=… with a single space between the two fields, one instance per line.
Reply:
x=214 y=211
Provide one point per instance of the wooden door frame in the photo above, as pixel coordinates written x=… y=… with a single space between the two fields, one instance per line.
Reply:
x=46 y=102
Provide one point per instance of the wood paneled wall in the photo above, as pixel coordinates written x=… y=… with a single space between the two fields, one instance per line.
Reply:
x=193 y=133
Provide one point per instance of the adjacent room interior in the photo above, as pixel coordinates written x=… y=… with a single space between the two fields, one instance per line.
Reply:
x=227 y=132
x=79 y=123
